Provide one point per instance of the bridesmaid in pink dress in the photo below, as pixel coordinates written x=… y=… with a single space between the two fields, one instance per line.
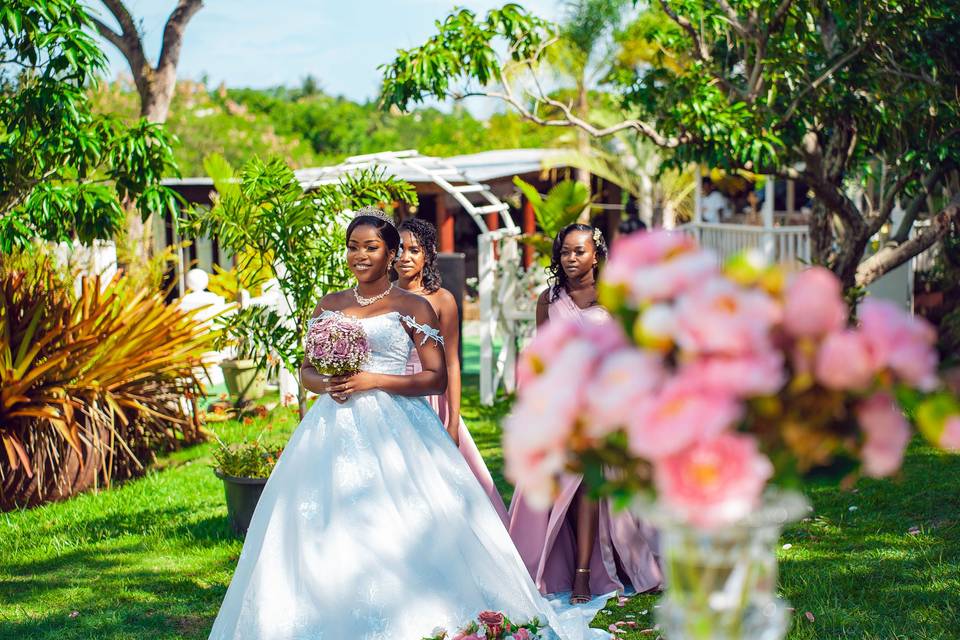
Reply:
x=580 y=545
x=417 y=272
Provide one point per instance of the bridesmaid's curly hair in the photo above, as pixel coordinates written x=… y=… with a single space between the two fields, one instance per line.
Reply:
x=558 y=277
x=426 y=235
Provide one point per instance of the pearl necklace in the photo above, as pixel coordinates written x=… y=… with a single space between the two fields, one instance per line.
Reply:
x=365 y=302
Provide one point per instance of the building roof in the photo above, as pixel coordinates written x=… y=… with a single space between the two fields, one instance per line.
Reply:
x=412 y=167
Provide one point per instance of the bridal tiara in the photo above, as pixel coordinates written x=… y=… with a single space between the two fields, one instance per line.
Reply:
x=374 y=213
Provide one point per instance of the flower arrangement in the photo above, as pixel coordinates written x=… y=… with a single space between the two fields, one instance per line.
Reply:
x=491 y=625
x=709 y=383
x=336 y=344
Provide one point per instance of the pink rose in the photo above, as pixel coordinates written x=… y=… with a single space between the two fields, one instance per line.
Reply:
x=492 y=620
x=901 y=342
x=755 y=374
x=541 y=353
x=813 y=304
x=713 y=482
x=676 y=417
x=721 y=317
x=538 y=354
x=886 y=434
x=522 y=634
x=622 y=381
x=536 y=433
x=657 y=265
x=845 y=362
x=950 y=439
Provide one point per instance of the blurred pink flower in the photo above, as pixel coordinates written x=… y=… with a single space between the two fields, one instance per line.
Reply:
x=624 y=379
x=754 y=374
x=721 y=317
x=536 y=356
x=535 y=434
x=676 y=417
x=950 y=439
x=522 y=634
x=900 y=341
x=541 y=353
x=845 y=362
x=813 y=304
x=886 y=434
x=657 y=265
x=715 y=481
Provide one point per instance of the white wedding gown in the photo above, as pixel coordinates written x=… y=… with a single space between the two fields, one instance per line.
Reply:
x=373 y=527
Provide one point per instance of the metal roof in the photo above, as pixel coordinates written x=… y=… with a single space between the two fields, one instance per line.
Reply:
x=474 y=167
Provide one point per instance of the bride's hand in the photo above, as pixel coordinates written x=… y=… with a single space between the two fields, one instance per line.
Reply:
x=342 y=387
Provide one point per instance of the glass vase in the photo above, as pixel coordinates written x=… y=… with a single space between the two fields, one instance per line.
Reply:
x=721 y=583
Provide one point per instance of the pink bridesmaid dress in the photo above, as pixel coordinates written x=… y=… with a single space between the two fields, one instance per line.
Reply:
x=468 y=448
x=625 y=549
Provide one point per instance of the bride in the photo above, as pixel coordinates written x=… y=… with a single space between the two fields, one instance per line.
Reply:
x=372 y=526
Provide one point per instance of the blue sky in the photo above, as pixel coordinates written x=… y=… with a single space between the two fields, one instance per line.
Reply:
x=262 y=43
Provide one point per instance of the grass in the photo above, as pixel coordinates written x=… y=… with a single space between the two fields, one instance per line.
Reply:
x=152 y=558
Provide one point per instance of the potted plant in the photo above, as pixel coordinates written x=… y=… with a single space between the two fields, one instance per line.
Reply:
x=244 y=468
x=248 y=332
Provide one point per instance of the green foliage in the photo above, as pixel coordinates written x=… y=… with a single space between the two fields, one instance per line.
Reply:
x=819 y=91
x=561 y=207
x=245 y=459
x=64 y=170
x=269 y=222
x=206 y=122
x=463 y=49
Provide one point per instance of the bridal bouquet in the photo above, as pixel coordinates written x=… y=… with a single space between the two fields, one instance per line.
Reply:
x=336 y=344
x=710 y=382
x=492 y=625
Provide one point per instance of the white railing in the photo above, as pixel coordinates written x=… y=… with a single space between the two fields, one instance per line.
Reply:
x=778 y=244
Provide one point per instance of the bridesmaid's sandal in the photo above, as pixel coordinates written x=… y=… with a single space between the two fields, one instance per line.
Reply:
x=583 y=595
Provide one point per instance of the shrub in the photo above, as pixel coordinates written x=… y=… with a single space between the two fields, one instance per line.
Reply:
x=91 y=387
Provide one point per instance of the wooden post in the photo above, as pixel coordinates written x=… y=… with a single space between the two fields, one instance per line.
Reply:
x=791 y=198
x=529 y=225
x=445 y=223
x=493 y=223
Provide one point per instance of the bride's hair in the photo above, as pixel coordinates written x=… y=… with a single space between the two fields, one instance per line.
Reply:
x=558 y=277
x=385 y=230
x=426 y=235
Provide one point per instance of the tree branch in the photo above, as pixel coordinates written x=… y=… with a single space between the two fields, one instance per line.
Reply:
x=734 y=19
x=702 y=52
x=780 y=14
x=913 y=209
x=109 y=34
x=572 y=120
x=889 y=201
x=892 y=256
x=173 y=32
x=813 y=86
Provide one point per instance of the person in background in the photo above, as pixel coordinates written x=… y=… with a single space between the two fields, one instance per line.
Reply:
x=714 y=206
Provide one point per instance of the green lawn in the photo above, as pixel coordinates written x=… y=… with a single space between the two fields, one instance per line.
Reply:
x=152 y=558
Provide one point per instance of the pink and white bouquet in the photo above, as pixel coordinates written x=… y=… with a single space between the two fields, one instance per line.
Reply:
x=710 y=382
x=491 y=625
x=336 y=344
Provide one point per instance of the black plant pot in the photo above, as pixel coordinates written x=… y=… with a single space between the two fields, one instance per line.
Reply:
x=242 y=496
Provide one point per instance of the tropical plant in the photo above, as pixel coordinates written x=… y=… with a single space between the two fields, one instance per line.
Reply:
x=562 y=205
x=267 y=219
x=811 y=90
x=91 y=387
x=65 y=170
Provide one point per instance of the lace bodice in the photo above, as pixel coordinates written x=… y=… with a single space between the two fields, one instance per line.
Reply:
x=390 y=344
